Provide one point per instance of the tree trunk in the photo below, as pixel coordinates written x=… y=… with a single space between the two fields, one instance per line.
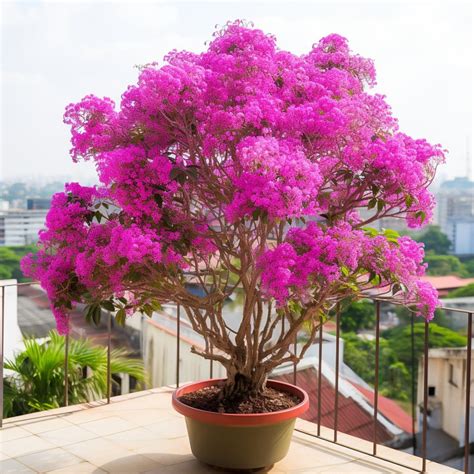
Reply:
x=241 y=386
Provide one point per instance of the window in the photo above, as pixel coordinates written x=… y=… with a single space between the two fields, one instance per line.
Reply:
x=452 y=380
x=431 y=391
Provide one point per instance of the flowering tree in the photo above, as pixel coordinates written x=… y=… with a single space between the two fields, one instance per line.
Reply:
x=241 y=167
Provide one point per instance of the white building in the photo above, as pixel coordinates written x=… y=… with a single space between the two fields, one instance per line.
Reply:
x=446 y=392
x=455 y=209
x=21 y=226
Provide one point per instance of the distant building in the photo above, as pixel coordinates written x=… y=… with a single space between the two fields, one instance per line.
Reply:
x=38 y=203
x=21 y=227
x=446 y=400
x=455 y=209
x=446 y=283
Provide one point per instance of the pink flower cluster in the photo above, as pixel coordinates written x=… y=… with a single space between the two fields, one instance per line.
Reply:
x=275 y=177
x=317 y=258
x=241 y=132
x=309 y=260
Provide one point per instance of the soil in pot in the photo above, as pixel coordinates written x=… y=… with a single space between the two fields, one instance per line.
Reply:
x=270 y=400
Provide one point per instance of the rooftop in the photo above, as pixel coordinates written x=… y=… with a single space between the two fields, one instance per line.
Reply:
x=140 y=432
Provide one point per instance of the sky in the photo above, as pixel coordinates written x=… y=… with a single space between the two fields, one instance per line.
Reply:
x=54 y=53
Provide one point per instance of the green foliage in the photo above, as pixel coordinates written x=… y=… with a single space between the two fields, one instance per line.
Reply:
x=445 y=265
x=469 y=266
x=400 y=340
x=435 y=240
x=467 y=290
x=359 y=355
x=395 y=355
x=36 y=378
x=358 y=315
x=10 y=261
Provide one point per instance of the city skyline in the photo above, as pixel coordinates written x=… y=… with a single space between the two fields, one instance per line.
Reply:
x=422 y=53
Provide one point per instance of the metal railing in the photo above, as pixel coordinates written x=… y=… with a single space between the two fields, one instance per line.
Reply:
x=375 y=443
x=66 y=351
x=424 y=433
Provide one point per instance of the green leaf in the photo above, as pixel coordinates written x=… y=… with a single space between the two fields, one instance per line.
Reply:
x=108 y=305
x=295 y=307
x=345 y=270
x=371 y=231
x=96 y=315
x=396 y=288
x=120 y=317
x=148 y=310
x=420 y=215
x=380 y=204
x=372 y=203
x=409 y=200
x=156 y=305
x=391 y=233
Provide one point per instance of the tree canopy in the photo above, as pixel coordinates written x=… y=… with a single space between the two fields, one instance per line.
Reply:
x=248 y=164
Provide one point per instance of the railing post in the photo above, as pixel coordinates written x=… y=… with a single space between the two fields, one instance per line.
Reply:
x=376 y=381
x=413 y=385
x=336 y=387
x=320 y=359
x=211 y=363
x=295 y=364
x=178 y=337
x=2 y=330
x=467 y=421
x=66 y=368
x=109 y=350
x=425 y=397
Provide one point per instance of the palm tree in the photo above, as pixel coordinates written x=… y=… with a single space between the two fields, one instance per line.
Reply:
x=35 y=377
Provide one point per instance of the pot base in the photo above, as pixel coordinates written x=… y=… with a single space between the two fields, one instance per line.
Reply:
x=227 y=469
x=239 y=447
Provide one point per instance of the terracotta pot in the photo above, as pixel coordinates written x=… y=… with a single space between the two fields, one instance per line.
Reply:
x=240 y=441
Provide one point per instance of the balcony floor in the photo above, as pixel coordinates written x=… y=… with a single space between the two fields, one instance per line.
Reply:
x=141 y=433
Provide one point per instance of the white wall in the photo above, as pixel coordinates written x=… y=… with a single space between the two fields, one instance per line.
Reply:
x=159 y=354
x=12 y=335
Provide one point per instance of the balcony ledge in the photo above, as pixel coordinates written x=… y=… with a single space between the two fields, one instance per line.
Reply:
x=141 y=433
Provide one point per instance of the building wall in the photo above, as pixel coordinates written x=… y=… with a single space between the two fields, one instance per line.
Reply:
x=159 y=355
x=447 y=374
x=455 y=212
x=461 y=234
x=21 y=227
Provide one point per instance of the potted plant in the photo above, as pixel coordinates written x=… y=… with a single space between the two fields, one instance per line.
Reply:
x=243 y=168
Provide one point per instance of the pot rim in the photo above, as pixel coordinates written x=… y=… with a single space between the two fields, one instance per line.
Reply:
x=240 y=419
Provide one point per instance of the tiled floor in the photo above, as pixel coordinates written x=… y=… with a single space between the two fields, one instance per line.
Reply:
x=140 y=433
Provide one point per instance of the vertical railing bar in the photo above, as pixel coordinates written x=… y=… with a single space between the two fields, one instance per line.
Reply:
x=376 y=381
x=66 y=368
x=320 y=358
x=336 y=401
x=295 y=364
x=413 y=385
x=425 y=396
x=467 y=421
x=178 y=338
x=211 y=363
x=2 y=329
x=109 y=337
